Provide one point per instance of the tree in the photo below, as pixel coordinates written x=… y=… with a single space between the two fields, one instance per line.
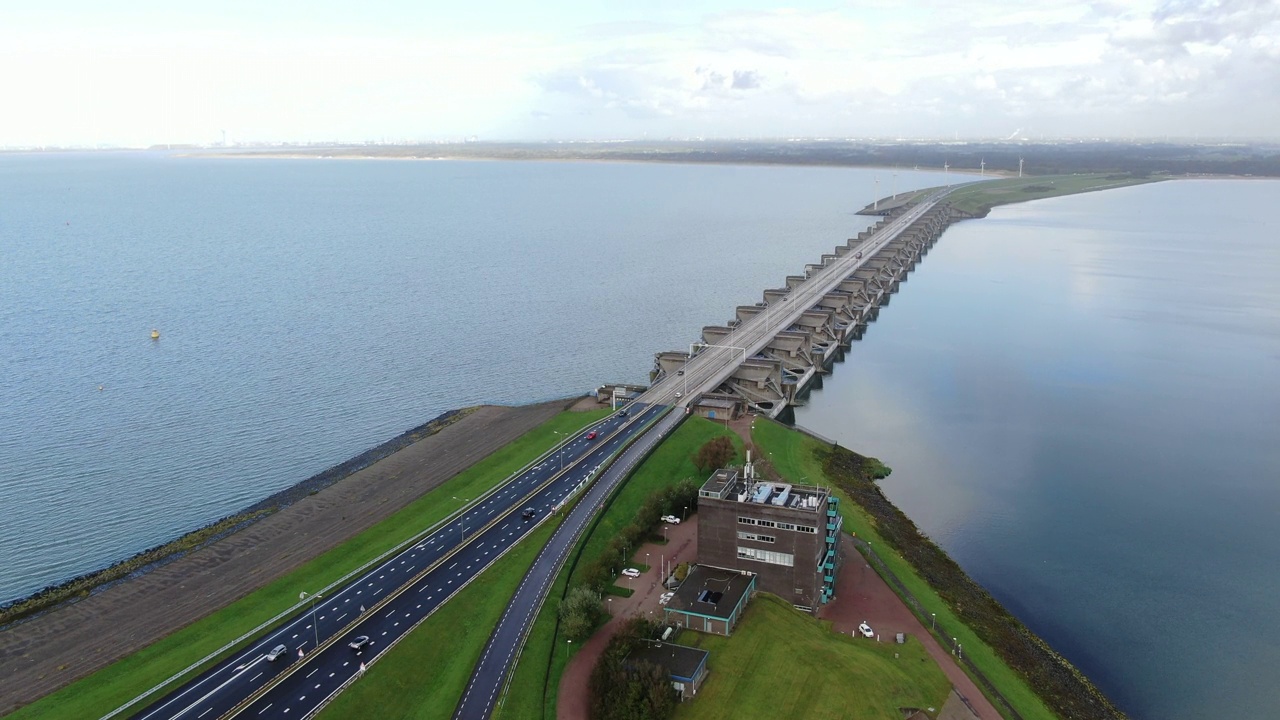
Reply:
x=580 y=613
x=714 y=454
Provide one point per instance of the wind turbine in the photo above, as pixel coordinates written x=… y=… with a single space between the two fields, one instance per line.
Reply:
x=982 y=168
x=875 y=204
x=1019 y=167
x=895 y=186
x=945 y=171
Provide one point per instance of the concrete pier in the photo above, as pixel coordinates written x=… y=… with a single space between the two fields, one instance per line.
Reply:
x=785 y=342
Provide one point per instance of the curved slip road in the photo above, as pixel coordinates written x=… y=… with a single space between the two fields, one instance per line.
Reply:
x=444 y=560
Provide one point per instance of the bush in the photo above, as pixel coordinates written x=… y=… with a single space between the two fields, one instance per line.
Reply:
x=622 y=689
x=714 y=454
x=580 y=613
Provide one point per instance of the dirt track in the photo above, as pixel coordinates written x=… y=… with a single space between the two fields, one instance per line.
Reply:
x=52 y=651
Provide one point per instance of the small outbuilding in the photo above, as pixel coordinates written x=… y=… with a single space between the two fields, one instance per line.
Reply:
x=711 y=600
x=687 y=666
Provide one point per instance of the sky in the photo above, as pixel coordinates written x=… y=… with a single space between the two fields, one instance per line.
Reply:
x=142 y=72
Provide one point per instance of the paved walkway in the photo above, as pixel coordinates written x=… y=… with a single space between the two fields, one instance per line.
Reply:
x=573 y=700
x=861 y=595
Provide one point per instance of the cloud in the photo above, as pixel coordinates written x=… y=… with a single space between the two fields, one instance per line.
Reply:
x=746 y=80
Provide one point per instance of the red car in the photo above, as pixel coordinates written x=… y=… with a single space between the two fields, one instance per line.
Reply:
x=591 y=435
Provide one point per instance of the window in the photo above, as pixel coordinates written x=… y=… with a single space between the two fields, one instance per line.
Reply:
x=756 y=537
x=747 y=521
x=767 y=556
x=806 y=529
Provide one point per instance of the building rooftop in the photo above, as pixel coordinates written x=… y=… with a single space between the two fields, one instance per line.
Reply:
x=728 y=484
x=711 y=592
x=681 y=662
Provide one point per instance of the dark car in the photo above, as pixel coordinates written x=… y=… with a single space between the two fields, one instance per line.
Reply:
x=528 y=513
x=359 y=643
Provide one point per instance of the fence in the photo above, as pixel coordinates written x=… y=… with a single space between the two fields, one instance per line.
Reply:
x=939 y=630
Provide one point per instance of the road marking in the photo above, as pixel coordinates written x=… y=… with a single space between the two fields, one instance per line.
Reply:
x=313 y=672
x=268 y=707
x=206 y=712
x=255 y=677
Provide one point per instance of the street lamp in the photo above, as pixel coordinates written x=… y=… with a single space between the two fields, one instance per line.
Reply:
x=314 y=625
x=933 y=621
x=560 y=453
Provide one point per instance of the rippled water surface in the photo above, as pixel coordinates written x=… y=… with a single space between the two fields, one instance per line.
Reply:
x=311 y=309
x=1080 y=399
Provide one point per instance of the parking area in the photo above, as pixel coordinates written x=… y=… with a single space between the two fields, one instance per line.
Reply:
x=682 y=546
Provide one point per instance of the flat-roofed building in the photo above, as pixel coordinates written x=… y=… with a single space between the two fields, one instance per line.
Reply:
x=686 y=666
x=710 y=599
x=784 y=532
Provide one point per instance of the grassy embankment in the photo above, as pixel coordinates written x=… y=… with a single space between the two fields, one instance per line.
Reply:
x=780 y=658
x=118 y=683
x=535 y=685
x=1036 y=681
x=978 y=199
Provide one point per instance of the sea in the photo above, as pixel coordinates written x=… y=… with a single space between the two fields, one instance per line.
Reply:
x=1078 y=396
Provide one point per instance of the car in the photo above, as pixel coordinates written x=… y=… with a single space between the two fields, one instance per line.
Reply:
x=622 y=413
x=359 y=642
x=631 y=572
x=866 y=630
x=678 y=395
x=528 y=513
x=857 y=256
x=672 y=519
x=591 y=435
x=276 y=652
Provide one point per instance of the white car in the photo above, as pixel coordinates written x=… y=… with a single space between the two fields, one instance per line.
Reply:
x=866 y=630
x=672 y=519
x=631 y=573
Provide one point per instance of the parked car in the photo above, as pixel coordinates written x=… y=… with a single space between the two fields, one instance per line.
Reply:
x=671 y=519
x=866 y=630
x=359 y=642
x=631 y=572
x=276 y=652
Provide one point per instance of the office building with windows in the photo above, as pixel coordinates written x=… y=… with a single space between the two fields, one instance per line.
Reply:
x=785 y=533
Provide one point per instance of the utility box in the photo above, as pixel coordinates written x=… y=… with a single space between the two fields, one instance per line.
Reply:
x=902 y=638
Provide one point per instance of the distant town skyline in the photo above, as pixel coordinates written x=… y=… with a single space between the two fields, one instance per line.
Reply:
x=145 y=72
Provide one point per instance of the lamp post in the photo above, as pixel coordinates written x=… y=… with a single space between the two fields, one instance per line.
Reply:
x=463 y=518
x=933 y=621
x=560 y=453
x=314 y=625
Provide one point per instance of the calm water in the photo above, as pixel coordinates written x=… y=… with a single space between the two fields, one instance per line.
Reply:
x=310 y=309
x=1080 y=399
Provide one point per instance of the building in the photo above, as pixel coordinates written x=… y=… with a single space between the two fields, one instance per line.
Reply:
x=710 y=600
x=687 y=666
x=785 y=533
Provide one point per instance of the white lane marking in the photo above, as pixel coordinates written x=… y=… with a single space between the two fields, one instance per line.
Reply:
x=206 y=712
x=313 y=672
x=268 y=707
x=255 y=677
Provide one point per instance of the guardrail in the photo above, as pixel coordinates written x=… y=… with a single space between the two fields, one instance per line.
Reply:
x=415 y=539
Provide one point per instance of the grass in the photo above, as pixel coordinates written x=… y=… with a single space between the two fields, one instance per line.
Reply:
x=792 y=454
x=120 y=682
x=425 y=675
x=535 y=685
x=781 y=658
x=979 y=198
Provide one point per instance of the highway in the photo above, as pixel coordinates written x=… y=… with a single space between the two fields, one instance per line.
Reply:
x=388 y=600
x=502 y=651
x=704 y=372
x=707 y=369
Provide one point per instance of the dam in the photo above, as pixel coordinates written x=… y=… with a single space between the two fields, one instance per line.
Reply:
x=766 y=357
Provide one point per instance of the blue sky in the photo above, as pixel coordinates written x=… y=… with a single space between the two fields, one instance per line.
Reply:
x=138 y=73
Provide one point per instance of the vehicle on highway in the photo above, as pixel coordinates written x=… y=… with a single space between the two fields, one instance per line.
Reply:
x=857 y=256
x=591 y=435
x=866 y=630
x=276 y=652
x=631 y=572
x=622 y=413
x=528 y=513
x=359 y=642
x=678 y=395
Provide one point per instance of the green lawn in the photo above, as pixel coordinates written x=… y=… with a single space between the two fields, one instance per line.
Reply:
x=792 y=455
x=120 y=682
x=425 y=675
x=783 y=663
x=979 y=198
x=536 y=682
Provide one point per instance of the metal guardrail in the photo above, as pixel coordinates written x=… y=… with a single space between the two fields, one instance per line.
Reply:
x=342 y=580
x=939 y=631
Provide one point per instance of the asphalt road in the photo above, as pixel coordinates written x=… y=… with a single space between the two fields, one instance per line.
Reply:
x=713 y=364
x=704 y=372
x=502 y=651
x=389 y=600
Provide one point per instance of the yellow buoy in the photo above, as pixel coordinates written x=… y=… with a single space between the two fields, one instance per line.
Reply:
x=155 y=334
